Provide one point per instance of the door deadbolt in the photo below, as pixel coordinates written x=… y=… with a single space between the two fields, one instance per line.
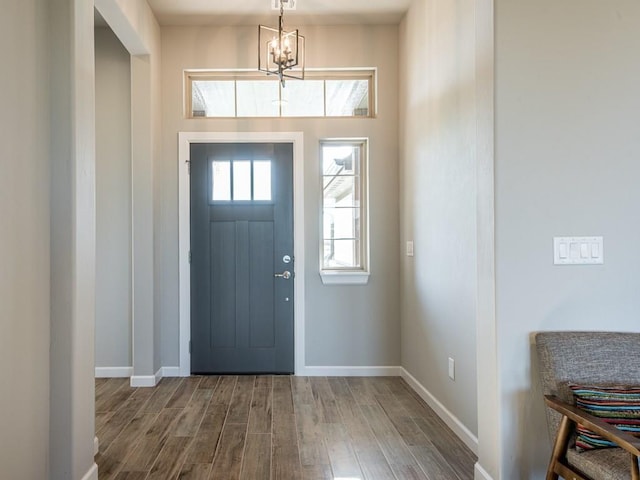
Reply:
x=286 y=259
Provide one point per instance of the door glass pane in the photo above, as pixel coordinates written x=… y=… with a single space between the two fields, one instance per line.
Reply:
x=258 y=98
x=262 y=180
x=211 y=98
x=347 y=98
x=221 y=181
x=303 y=99
x=242 y=180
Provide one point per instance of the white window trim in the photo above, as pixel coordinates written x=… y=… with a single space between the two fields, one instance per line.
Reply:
x=359 y=276
x=347 y=277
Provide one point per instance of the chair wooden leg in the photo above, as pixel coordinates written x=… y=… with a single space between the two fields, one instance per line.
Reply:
x=559 y=447
x=635 y=472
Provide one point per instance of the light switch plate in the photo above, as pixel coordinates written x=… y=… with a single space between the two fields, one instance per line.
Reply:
x=410 y=248
x=578 y=250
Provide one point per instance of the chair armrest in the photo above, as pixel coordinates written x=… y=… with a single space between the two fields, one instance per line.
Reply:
x=623 y=439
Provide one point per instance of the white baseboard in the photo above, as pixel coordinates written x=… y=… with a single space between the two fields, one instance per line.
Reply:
x=143 y=381
x=480 y=473
x=350 y=372
x=171 y=372
x=114 y=372
x=469 y=439
x=126 y=372
x=92 y=474
x=96 y=446
x=146 y=380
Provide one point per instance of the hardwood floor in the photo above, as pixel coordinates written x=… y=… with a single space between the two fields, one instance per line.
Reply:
x=273 y=428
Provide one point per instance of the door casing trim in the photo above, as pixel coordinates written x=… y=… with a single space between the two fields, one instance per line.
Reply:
x=185 y=139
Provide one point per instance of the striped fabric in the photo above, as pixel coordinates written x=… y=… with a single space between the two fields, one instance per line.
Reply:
x=617 y=405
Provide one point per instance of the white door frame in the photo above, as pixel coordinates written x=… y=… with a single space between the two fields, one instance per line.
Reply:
x=185 y=139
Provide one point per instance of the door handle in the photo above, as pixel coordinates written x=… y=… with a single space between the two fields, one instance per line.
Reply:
x=286 y=275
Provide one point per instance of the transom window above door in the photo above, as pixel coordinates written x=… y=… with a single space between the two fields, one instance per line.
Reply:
x=242 y=94
x=241 y=180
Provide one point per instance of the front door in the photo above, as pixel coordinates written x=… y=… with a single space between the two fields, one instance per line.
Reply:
x=242 y=258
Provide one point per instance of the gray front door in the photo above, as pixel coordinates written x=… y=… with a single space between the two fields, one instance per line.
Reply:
x=241 y=251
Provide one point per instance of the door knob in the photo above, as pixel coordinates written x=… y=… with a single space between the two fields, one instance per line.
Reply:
x=286 y=275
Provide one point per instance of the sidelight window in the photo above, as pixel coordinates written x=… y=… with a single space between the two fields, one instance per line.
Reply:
x=344 y=245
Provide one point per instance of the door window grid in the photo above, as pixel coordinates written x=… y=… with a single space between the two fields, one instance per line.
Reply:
x=239 y=94
x=344 y=245
x=241 y=181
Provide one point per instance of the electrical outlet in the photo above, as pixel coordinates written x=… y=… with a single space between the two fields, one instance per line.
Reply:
x=452 y=368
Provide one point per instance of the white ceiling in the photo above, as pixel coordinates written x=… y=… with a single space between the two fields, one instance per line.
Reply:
x=307 y=12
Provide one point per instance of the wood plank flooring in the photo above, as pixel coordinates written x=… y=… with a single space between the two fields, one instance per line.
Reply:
x=273 y=428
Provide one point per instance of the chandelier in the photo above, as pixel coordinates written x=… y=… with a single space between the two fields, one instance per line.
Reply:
x=280 y=52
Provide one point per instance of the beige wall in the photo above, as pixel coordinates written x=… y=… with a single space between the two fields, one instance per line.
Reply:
x=345 y=325
x=24 y=240
x=113 y=201
x=567 y=150
x=438 y=201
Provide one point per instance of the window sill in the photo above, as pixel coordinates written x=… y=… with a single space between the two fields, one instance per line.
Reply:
x=344 y=278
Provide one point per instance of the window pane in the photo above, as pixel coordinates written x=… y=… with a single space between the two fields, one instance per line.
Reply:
x=341 y=254
x=340 y=160
x=221 y=181
x=211 y=98
x=347 y=98
x=258 y=98
x=343 y=201
x=341 y=223
x=303 y=99
x=262 y=180
x=242 y=180
x=239 y=94
x=340 y=191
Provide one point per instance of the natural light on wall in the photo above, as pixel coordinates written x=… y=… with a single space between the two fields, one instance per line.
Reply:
x=240 y=94
x=344 y=247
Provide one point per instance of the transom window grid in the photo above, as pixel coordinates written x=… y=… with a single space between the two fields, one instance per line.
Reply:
x=344 y=202
x=241 y=181
x=242 y=94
